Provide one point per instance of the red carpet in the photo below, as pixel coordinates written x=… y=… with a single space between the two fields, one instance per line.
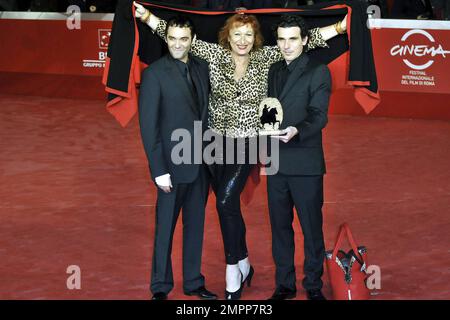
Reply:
x=76 y=191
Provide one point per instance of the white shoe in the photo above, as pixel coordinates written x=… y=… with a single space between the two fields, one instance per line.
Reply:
x=233 y=277
x=244 y=266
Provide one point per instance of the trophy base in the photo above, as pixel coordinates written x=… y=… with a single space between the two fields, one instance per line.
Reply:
x=269 y=132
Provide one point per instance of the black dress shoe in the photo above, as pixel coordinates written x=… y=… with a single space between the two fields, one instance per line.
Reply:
x=202 y=293
x=283 y=293
x=315 y=294
x=159 y=296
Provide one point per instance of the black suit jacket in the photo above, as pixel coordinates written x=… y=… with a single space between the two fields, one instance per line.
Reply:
x=167 y=104
x=304 y=99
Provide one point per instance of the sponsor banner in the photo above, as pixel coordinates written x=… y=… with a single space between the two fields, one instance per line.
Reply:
x=412 y=56
x=54 y=43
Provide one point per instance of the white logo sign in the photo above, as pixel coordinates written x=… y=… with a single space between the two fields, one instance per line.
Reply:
x=418 y=50
x=103 y=38
x=103 y=41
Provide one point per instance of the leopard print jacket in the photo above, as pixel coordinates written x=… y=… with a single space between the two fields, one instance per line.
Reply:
x=233 y=105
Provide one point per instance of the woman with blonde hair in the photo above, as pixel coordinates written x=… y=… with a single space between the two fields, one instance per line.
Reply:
x=238 y=66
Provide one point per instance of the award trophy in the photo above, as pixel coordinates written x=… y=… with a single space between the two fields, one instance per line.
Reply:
x=271 y=116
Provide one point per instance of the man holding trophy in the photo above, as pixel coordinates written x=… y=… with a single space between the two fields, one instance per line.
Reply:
x=302 y=87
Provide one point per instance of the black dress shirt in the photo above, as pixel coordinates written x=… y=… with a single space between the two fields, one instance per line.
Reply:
x=284 y=73
x=186 y=71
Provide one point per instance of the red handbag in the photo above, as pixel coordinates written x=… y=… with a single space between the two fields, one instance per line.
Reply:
x=347 y=271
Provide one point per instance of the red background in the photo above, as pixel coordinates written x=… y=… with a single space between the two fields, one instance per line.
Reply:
x=44 y=57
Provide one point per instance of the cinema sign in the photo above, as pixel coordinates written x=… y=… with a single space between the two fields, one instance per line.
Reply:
x=418 y=50
x=410 y=57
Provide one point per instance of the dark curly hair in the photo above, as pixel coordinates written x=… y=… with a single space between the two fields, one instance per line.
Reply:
x=181 y=22
x=289 y=21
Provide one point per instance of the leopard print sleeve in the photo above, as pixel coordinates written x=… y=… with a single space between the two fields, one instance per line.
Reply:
x=271 y=54
x=315 y=39
x=202 y=49
x=161 y=29
x=207 y=50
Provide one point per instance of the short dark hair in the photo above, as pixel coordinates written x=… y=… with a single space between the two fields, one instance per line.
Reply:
x=289 y=21
x=181 y=22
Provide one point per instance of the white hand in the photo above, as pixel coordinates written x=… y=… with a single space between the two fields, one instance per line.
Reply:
x=164 y=182
x=140 y=10
x=286 y=134
x=240 y=9
x=344 y=23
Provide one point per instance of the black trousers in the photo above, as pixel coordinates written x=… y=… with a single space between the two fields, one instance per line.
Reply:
x=191 y=197
x=306 y=194
x=228 y=182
